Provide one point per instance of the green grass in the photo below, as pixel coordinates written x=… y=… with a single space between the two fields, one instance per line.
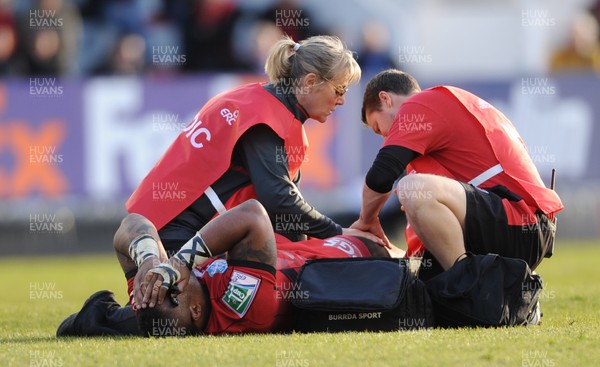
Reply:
x=569 y=335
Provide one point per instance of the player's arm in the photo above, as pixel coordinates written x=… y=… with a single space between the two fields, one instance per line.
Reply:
x=386 y=169
x=244 y=232
x=138 y=248
x=135 y=227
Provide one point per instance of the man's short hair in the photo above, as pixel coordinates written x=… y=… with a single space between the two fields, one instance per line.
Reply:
x=375 y=249
x=390 y=80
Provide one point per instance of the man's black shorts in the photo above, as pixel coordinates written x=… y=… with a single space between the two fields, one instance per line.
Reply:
x=487 y=230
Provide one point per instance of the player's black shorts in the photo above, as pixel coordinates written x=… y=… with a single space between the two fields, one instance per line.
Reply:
x=488 y=231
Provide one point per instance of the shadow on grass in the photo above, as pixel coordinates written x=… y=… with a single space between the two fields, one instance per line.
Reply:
x=68 y=339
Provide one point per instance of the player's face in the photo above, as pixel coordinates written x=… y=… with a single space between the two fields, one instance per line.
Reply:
x=320 y=97
x=189 y=314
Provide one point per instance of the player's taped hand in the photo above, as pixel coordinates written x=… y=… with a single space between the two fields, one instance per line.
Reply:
x=159 y=280
x=140 y=282
x=169 y=274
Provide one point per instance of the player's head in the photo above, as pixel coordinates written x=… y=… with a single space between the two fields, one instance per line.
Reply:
x=375 y=249
x=318 y=70
x=383 y=96
x=187 y=316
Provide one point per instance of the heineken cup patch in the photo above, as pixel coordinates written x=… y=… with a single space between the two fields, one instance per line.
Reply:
x=240 y=292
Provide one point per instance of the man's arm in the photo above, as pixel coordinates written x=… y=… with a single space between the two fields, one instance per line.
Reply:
x=368 y=219
x=386 y=169
x=133 y=226
x=244 y=232
x=135 y=229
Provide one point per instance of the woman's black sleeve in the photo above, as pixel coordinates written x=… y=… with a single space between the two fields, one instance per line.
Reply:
x=387 y=167
x=267 y=163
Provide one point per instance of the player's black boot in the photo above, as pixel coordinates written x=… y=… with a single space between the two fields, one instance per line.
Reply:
x=100 y=315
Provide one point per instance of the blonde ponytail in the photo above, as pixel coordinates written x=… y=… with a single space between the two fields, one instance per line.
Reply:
x=325 y=56
x=278 y=64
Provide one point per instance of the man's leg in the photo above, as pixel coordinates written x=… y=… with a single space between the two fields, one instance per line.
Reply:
x=436 y=208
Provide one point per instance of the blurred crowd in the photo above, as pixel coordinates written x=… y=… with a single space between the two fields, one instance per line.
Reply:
x=95 y=37
x=581 y=51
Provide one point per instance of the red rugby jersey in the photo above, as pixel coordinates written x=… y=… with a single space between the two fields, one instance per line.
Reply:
x=467 y=136
x=249 y=297
x=461 y=136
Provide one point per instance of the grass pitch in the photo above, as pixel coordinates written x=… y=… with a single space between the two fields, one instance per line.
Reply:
x=39 y=293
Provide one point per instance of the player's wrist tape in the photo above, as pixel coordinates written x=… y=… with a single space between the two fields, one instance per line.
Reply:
x=194 y=252
x=169 y=274
x=142 y=247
